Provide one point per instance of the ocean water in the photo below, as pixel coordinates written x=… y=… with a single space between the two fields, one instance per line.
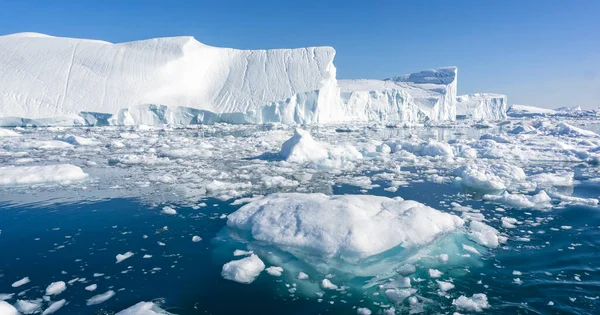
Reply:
x=66 y=241
x=73 y=232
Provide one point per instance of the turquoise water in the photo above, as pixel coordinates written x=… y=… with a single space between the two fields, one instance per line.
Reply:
x=65 y=241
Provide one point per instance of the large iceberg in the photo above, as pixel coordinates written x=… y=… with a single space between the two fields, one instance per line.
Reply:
x=77 y=80
x=46 y=80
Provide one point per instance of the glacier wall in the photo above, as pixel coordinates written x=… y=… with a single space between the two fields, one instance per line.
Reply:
x=478 y=106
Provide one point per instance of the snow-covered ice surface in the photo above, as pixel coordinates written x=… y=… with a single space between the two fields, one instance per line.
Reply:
x=443 y=217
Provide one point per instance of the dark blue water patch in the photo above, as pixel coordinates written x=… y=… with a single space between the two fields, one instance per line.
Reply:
x=69 y=241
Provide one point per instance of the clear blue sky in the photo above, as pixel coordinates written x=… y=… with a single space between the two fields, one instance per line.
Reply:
x=538 y=52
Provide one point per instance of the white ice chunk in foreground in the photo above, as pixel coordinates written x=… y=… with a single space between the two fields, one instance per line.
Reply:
x=8 y=133
x=244 y=270
x=7 y=309
x=27 y=175
x=350 y=226
x=143 y=308
x=29 y=306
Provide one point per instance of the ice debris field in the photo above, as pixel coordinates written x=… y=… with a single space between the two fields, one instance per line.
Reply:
x=127 y=187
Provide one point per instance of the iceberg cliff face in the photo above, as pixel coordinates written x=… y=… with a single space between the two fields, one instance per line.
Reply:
x=486 y=106
x=50 y=77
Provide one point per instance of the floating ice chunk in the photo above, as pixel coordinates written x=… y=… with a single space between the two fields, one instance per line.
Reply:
x=8 y=133
x=56 y=288
x=21 y=282
x=350 y=226
x=568 y=130
x=91 y=287
x=278 y=182
x=100 y=298
x=484 y=234
x=399 y=295
x=76 y=140
x=327 y=285
x=302 y=148
x=6 y=296
x=302 y=276
x=495 y=138
x=7 y=309
x=29 y=306
x=434 y=273
x=562 y=179
x=471 y=249
x=143 y=308
x=509 y=223
x=239 y=252
x=168 y=210
x=497 y=176
x=55 y=306
x=245 y=270
x=430 y=147
x=406 y=269
x=476 y=303
x=445 y=286
x=539 y=201
x=363 y=311
x=121 y=257
x=27 y=175
x=274 y=271
x=196 y=238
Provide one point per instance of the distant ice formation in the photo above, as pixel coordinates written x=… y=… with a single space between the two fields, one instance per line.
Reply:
x=46 y=80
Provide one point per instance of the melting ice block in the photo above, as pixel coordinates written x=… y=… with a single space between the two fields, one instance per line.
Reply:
x=351 y=227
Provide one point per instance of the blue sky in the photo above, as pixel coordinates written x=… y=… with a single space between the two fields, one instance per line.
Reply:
x=538 y=52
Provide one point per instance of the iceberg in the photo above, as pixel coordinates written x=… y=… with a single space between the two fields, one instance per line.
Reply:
x=479 y=106
x=58 y=81
x=49 y=80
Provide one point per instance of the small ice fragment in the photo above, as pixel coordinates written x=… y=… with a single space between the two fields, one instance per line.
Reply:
x=196 y=239
x=302 y=276
x=363 y=311
x=29 y=307
x=326 y=284
x=168 y=210
x=470 y=249
x=56 y=288
x=121 y=257
x=245 y=270
x=274 y=271
x=434 y=273
x=91 y=287
x=97 y=299
x=406 y=269
x=55 y=306
x=445 y=286
x=476 y=303
x=21 y=282
x=239 y=252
